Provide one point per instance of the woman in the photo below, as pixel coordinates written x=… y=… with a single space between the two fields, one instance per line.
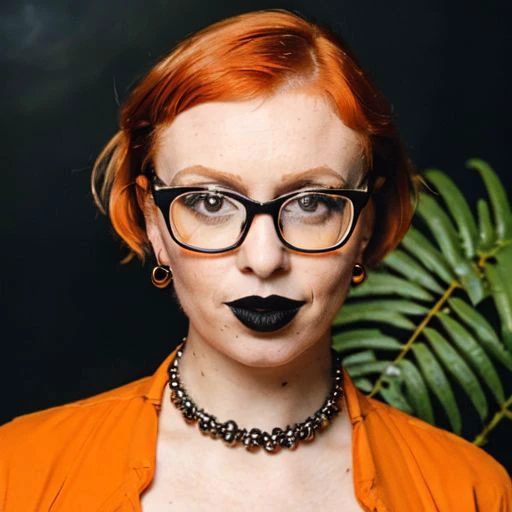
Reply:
x=261 y=168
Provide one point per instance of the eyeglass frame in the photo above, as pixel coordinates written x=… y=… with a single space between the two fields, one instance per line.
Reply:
x=164 y=195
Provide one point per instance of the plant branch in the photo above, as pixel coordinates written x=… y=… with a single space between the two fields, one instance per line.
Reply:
x=433 y=311
x=484 y=256
x=503 y=412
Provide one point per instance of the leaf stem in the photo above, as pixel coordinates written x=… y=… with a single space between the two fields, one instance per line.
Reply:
x=433 y=311
x=481 y=438
x=484 y=256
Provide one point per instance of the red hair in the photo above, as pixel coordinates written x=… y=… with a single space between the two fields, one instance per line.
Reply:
x=243 y=57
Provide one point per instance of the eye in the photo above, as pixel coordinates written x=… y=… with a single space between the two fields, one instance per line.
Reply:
x=211 y=207
x=309 y=202
x=213 y=203
x=312 y=203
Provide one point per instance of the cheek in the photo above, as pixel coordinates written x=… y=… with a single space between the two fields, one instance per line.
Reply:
x=331 y=278
x=329 y=288
x=197 y=282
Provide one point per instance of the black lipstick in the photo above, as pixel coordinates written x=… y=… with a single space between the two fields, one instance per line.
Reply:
x=265 y=314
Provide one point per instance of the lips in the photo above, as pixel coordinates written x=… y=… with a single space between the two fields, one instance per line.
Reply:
x=265 y=314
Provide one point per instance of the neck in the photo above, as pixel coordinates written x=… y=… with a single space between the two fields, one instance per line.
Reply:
x=256 y=396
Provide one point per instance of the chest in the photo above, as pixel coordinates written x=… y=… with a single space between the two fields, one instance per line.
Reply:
x=249 y=497
x=190 y=482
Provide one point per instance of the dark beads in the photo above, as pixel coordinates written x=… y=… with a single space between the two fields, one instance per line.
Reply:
x=229 y=437
x=189 y=409
x=230 y=426
x=270 y=447
x=304 y=432
x=255 y=438
x=229 y=431
x=337 y=393
x=255 y=434
x=204 y=426
x=213 y=428
x=276 y=434
x=247 y=442
x=289 y=440
x=310 y=434
x=241 y=434
x=324 y=422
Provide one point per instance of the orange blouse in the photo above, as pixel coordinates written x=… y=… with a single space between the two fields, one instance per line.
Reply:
x=99 y=454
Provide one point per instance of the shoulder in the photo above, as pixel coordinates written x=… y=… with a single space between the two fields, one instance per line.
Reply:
x=71 y=417
x=39 y=451
x=441 y=456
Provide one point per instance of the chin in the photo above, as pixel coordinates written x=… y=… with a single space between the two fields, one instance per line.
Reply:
x=266 y=352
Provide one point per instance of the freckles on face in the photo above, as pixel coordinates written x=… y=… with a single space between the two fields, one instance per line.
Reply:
x=330 y=277
x=259 y=142
x=258 y=148
x=203 y=283
x=197 y=278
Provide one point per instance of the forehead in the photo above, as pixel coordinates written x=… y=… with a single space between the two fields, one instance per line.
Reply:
x=260 y=141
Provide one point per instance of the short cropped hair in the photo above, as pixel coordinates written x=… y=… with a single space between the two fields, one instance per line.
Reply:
x=255 y=55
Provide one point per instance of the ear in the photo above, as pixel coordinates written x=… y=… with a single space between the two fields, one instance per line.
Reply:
x=153 y=220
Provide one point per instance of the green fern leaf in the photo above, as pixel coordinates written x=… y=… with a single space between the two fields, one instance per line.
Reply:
x=404 y=264
x=444 y=232
x=365 y=385
x=487 y=235
x=483 y=329
x=386 y=284
x=366 y=356
x=392 y=393
x=439 y=384
x=420 y=247
x=429 y=288
x=474 y=354
x=360 y=339
x=363 y=369
x=500 y=291
x=351 y=313
x=404 y=307
x=416 y=391
x=455 y=365
x=458 y=207
x=498 y=196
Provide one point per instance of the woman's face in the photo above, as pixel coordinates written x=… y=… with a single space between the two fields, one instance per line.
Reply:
x=259 y=146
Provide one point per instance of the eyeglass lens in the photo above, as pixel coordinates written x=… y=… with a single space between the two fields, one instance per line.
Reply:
x=212 y=220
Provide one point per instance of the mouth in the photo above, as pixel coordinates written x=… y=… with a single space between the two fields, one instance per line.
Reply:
x=265 y=314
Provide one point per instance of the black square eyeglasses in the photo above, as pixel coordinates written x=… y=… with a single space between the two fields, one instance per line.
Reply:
x=210 y=219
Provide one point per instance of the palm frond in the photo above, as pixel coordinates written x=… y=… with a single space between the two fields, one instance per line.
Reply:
x=415 y=330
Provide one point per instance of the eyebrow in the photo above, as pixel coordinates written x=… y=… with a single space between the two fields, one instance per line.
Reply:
x=290 y=181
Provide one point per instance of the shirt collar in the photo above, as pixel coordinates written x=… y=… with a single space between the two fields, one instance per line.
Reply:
x=358 y=407
x=152 y=389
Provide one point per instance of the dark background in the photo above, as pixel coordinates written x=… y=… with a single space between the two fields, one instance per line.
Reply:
x=76 y=321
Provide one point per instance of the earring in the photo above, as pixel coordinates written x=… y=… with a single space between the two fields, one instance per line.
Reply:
x=358 y=274
x=161 y=276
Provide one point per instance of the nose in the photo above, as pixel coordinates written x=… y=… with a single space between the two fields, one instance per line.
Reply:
x=262 y=252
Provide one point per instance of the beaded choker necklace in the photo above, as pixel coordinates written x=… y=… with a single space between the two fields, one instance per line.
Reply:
x=253 y=439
